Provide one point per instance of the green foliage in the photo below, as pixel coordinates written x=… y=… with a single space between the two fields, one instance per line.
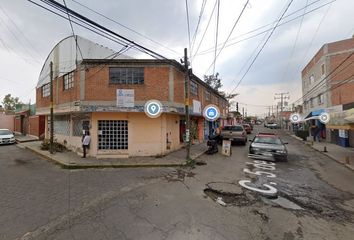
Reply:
x=213 y=81
x=57 y=147
x=10 y=103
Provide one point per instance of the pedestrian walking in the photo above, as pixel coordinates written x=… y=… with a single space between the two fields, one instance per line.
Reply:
x=85 y=142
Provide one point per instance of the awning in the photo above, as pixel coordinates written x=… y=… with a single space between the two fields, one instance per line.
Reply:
x=315 y=113
x=341 y=127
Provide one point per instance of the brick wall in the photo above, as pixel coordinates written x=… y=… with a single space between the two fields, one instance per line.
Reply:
x=59 y=94
x=344 y=93
x=97 y=87
x=7 y=121
x=341 y=45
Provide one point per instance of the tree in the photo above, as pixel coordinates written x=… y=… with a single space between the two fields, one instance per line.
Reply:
x=213 y=81
x=10 y=102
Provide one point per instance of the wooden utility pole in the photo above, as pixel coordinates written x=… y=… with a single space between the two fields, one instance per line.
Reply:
x=51 y=109
x=282 y=98
x=186 y=102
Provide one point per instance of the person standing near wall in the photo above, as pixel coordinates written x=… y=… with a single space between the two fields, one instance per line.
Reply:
x=85 y=142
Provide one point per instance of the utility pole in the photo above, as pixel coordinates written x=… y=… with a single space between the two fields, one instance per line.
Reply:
x=243 y=113
x=186 y=102
x=51 y=109
x=283 y=96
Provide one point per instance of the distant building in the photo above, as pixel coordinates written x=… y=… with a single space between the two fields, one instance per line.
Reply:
x=26 y=122
x=88 y=84
x=328 y=87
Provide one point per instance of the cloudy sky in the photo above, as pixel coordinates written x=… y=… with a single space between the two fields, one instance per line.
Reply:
x=28 y=33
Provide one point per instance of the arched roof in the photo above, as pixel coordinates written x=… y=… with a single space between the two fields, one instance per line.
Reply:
x=66 y=54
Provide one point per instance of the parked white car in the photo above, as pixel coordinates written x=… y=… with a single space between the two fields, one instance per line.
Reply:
x=6 y=136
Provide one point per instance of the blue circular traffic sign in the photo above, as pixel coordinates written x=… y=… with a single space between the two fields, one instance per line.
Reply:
x=211 y=112
x=153 y=108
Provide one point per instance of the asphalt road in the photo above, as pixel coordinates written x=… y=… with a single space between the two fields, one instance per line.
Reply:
x=41 y=201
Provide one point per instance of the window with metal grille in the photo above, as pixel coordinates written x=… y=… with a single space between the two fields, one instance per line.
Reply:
x=68 y=80
x=112 y=134
x=120 y=75
x=207 y=96
x=46 y=90
x=194 y=88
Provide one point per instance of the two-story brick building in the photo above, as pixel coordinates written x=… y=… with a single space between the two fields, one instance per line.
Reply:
x=86 y=90
x=328 y=86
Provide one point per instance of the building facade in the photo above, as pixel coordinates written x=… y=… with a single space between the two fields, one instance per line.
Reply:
x=328 y=86
x=106 y=96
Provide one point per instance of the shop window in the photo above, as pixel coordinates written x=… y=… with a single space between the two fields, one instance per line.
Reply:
x=112 y=134
x=121 y=75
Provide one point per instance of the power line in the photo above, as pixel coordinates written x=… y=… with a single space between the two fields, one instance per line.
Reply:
x=326 y=77
x=21 y=32
x=216 y=35
x=189 y=32
x=227 y=39
x=294 y=46
x=210 y=50
x=211 y=15
x=196 y=29
x=92 y=24
x=126 y=27
x=255 y=58
x=72 y=29
x=316 y=32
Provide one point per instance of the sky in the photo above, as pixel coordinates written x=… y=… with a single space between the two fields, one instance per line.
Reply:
x=29 y=33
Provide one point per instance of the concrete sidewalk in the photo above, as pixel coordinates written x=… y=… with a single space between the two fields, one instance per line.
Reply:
x=25 y=138
x=71 y=160
x=340 y=154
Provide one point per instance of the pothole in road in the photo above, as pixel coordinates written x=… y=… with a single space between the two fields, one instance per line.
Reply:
x=229 y=194
x=178 y=175
x=20 y=161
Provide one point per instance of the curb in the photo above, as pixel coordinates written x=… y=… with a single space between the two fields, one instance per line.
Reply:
x=323 y=153
x=138 y=165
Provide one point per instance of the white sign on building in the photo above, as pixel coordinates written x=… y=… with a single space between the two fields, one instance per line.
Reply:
x=125 y=98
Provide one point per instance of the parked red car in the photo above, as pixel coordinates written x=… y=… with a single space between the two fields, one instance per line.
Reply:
x=247 y=128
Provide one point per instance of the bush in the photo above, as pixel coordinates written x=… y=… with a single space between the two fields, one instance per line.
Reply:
x=57 y=147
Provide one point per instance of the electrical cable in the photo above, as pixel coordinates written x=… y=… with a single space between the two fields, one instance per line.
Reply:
x=223 y=45
x=211 y=49
x=216 y=35
x=75 y=37
x=211 y=15
x=188 y=29
x=326 y=77
x=258 y=53
x=294 y=46
x=315 y=34
x=126 y=27
x=196 y=29
x=93 y=23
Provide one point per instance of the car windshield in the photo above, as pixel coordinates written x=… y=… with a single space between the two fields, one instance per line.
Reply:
x=5 y=132
x=233 y=128
x=267 y=140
